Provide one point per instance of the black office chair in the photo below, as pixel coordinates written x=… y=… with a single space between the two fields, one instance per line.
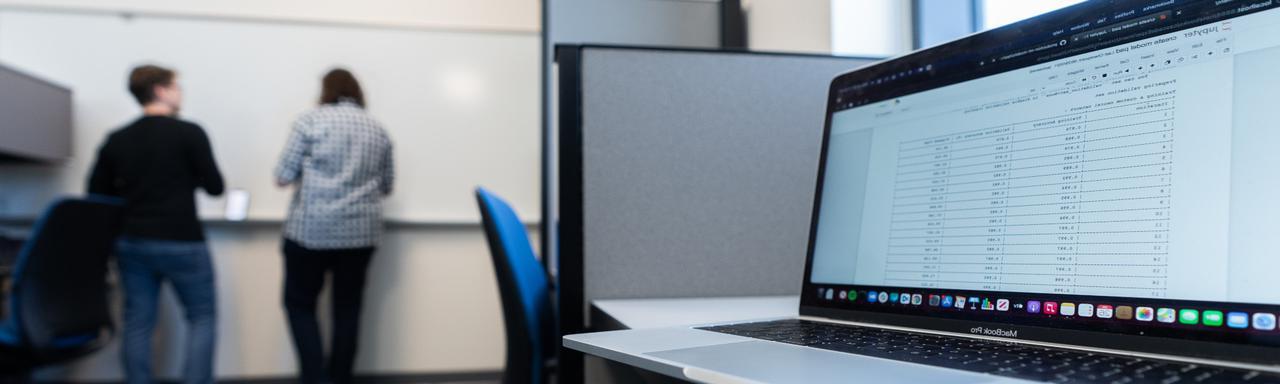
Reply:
x=59 y=309
x=527 y=309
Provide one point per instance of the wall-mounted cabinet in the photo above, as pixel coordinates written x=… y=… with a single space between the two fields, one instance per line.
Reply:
x=35 y=118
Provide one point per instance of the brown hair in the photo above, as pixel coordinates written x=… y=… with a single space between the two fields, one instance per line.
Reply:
x=144 y=80
x=338 y=84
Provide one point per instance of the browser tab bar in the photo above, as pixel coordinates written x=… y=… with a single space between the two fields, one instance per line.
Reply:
x=1121 y=27
x=1159 y=5
x=1119 y=22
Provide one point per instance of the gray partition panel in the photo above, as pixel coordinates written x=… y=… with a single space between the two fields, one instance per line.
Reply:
x=36 y=121
x=698 y=170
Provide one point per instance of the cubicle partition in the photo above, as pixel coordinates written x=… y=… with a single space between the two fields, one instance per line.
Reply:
x=682 y=173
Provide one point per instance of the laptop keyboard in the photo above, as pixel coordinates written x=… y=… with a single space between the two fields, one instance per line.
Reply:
x=992 y=357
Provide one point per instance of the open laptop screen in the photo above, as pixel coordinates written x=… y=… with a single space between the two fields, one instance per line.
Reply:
x=1112 y=166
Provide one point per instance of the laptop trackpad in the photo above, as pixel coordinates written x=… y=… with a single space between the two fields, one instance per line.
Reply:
x=784 y=363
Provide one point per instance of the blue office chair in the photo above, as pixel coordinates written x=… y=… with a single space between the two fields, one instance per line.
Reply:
x=525 y=288
x=58 y=309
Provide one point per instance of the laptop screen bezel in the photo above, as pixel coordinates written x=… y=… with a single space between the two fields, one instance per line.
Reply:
x=811 y=305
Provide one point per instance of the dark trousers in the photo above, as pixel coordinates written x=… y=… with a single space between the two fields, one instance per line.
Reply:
x=305 y=271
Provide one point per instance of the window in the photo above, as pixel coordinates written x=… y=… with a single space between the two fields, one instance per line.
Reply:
x=996 y=13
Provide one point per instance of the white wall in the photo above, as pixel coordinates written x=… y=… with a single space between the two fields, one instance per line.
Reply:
x=432 y=304
x=789 y=25
x=508 y=15
x=879 y=28
x=871 y=27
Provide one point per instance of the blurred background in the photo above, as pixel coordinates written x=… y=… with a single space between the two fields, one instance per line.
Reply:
x=466 y=89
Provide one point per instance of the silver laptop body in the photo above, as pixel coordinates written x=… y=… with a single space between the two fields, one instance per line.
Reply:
x=1100 y=179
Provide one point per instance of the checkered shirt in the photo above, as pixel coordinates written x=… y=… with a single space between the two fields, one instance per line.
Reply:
x=340 y=157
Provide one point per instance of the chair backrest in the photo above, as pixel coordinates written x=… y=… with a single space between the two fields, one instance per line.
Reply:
x=525 y=290
x=60 y=281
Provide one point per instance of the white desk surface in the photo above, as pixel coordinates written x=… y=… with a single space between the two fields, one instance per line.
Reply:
x=659 y=313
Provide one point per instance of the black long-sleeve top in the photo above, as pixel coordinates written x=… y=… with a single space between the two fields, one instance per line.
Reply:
x=155 y=164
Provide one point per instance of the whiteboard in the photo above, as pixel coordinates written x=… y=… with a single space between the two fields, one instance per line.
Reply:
x=461 y=107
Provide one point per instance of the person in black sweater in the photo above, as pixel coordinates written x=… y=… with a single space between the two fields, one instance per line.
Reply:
x=156 y=163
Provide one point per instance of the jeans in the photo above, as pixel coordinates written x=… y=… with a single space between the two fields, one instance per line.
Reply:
x=305 y=271
x=144 y=265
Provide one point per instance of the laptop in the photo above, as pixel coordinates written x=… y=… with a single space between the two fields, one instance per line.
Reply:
x=1092 y=195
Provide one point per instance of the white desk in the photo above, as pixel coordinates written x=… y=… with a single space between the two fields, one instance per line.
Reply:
x=658 y=313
